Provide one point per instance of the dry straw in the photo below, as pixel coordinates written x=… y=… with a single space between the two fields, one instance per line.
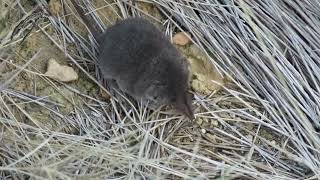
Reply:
x=268 y=120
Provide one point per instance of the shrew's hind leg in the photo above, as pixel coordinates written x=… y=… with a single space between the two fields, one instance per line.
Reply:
x=112 y=86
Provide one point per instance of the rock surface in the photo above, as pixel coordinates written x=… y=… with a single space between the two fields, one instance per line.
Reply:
x=205 y=77
x=60 y=72
x=181 y=38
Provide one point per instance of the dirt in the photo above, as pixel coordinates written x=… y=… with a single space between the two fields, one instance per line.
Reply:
x=201 y=67
x=203 y=73
x=205 y=78
x=4 y=9
x=39 y=85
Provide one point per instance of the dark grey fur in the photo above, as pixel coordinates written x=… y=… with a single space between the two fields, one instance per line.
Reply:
x=144 y=64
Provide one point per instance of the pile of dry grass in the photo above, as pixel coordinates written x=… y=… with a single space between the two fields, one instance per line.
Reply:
x=266 y=121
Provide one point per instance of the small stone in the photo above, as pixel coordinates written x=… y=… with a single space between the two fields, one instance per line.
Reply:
x=203 y=131
x=214 y=123
x=60 y=72
x=199 y=121
x=181 y=38
x=211 y=137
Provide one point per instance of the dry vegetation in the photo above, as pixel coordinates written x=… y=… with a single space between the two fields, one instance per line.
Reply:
x=263 y=124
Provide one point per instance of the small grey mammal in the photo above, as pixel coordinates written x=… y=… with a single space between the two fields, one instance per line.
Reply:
x=143 y=63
